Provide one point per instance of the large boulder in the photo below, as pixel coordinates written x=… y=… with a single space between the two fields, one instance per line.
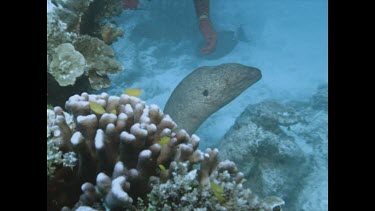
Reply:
x=282 y=148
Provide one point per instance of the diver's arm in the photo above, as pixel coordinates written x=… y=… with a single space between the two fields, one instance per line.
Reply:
x=202 y=8
x=130 y=4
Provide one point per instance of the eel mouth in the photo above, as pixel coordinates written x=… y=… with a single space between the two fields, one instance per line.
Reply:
x=245 y=80
x=232 y=87
x=254 y=75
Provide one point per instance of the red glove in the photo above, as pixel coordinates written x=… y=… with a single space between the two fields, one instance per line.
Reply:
x=130 y=4
x=209 y=35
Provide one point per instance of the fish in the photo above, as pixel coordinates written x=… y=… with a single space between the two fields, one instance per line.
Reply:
x=164 y=140
x=218 y=191
x=135 y=92
x=162 y=168
x=206 y=90
x=97 y=108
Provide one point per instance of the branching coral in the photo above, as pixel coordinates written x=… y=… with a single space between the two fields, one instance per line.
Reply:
x=128 y=152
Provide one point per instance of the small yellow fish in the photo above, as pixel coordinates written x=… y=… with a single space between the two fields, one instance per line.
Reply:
x=163 y=173
x=218 y=192
x=162 y=168
x=135 y=92
x=97 y=108
x=164 y=140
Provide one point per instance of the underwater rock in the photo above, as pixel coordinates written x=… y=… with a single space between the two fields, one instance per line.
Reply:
x=282 y=148
x=272 y=115
x=314 y=194
x=268 y=157
x=127 y=149
x=320 y=99
x=313 y=136
x=206 y=90
x=67 y=64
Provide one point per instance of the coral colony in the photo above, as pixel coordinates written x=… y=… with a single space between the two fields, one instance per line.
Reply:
x=131 y=156
x=79 y=55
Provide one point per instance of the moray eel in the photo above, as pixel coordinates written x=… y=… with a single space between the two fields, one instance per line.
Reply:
x=206 y=90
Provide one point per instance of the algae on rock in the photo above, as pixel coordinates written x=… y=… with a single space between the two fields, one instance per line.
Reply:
x=100 y=60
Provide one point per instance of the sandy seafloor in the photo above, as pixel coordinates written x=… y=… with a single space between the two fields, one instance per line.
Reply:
x=287 y=41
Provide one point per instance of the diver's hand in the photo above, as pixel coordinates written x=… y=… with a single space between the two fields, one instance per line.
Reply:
x=209 y=35
x=130 y=4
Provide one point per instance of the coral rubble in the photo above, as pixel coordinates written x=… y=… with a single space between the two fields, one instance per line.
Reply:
x=131 y=156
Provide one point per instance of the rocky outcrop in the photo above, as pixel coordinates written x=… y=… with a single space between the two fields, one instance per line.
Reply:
x=282 y=148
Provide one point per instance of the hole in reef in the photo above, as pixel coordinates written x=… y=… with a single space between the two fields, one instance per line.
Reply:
x=205 y=92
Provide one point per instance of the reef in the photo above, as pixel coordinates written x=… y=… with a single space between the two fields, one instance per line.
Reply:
x=282 y=148
x=132 y=156
x=79 y=57
x=55 y=154
x=319 y=100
